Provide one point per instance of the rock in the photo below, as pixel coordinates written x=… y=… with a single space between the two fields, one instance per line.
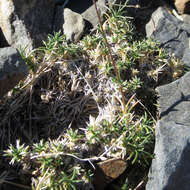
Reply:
x=26 y=23
x=186 y=18
x=72 y=23
x=182 y=6
x=81 y=16
x=73 y=26
x=90 y=14
x=107 y=171
x=12 y=69
x=171 y=166
x=171 y=33
x=177 y=94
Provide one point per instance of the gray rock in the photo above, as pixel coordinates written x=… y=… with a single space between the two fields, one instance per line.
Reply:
x=26 y=23
x=186 y=18
x=85 y=14
x=171 y=166
x=174 y=101
x=87 y=11
x=172 y=34
x=90 y=14
x=73 y=26
x=12 y=69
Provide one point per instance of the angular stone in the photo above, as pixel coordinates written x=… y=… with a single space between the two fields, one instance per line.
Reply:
x=170 y=167
x=12 y=69
x=183 y=6
x=73 y=26
x=113 y=168
x=174 y=101
x=87 y=11
x=90 y=14
x=107 y=171
x=186 y=18
x=171 y=33
x=25 y=23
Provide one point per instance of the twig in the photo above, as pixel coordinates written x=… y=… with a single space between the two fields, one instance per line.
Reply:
x=95 y=158
x=66 y=154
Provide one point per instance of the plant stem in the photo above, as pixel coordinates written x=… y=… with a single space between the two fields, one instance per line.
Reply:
x=109 y=51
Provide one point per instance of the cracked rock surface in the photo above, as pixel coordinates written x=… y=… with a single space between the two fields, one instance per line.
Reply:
x=172 y=34
x=170 y=167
